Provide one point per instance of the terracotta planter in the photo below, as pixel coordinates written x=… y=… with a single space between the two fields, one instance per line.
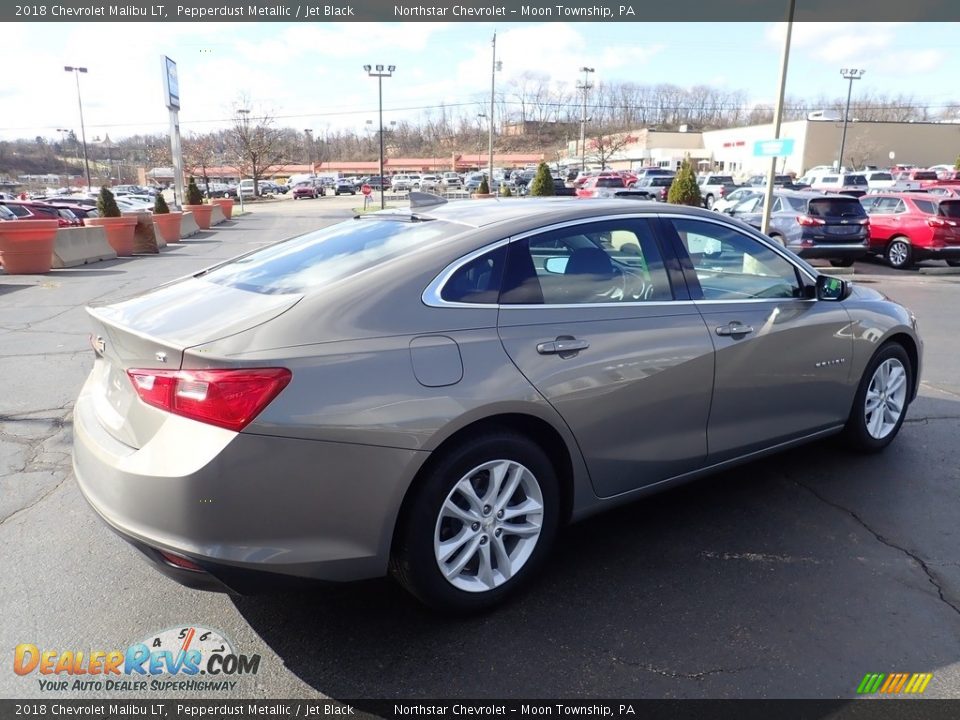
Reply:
x=201 y=213
x=26 y=246
x=120 y=231
x=226 y=204
x=481 y=196
x=169 y=225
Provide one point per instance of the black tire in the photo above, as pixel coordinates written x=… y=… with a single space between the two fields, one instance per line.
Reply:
x=778 y=239
x=845 y=262
x=413 y=562
x=855 y=434
x=899 y=253
x=708 y=202
x=953 y=263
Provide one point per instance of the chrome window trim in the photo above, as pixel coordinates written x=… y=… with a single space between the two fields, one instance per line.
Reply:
x=431 y=296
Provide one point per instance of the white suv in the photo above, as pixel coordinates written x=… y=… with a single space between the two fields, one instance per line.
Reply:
x=403 y=182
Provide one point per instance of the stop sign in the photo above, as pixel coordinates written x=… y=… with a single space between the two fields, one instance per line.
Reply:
x=366 y=189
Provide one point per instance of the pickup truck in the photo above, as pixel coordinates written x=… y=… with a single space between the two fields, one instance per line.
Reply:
x=714 y=187
x=650 y=187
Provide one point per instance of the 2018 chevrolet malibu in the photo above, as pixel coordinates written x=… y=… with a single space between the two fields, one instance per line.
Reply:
x=434 y=392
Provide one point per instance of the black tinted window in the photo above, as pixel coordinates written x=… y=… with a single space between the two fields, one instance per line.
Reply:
x=721 y=180
x=950 y=208
x=854 y=180
x=478 y=281
x=925 y=175
x=881 y=176
x=926 y=206
x=835 y=207
x=610 y=182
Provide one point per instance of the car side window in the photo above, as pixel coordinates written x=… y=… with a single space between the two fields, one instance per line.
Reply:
x=733 y=266
x=477 y=281
x=601 y=262
x=926 y=206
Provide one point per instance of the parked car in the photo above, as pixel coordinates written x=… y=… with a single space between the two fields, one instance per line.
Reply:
x=435 y=399
x=907 y=180
x=945 y=191
x=907 y=227
x=27 y=210
x=601 y=186
x=761 y=180
x=6 y=214
x=78 y=211
x=879 y=180
x=734 y=198
x=648 y=187
x=451 y=181
x=306 y=189
x=427 y=183
x=813 y=224
x=472 y=182
x=344 y=186
x=401 y=182
x=854 y=185
x=713 y=187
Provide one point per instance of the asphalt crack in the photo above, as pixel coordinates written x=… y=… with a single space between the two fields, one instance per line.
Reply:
x=36 y=502
x=931 y=577
x=680 y=675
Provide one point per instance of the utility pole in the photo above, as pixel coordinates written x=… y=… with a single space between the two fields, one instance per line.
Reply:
x=850 y=74
x=777 y=118
x=497 y=65
x=83 y=132
x=583 y=117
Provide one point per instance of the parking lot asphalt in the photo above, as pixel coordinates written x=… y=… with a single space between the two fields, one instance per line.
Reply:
x=793 y=576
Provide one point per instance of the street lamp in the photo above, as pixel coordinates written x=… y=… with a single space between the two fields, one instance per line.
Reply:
x=583 y=117
x=83 y=133
x=379 y=73
x=850 y=74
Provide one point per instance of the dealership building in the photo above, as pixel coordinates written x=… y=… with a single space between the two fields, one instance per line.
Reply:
x=815 y=142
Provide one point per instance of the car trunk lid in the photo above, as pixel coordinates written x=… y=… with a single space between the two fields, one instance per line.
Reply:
x=844 y=219
x=152 y=331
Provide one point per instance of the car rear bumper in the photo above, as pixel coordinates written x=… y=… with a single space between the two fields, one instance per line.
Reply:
x=250 y=510
x=943 y=252
x=831 y=251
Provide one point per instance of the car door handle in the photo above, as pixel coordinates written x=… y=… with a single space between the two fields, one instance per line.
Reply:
x=562 y=345
x=734 y=329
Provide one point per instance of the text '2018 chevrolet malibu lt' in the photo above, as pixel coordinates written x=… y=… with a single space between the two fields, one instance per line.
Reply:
x=432 y=393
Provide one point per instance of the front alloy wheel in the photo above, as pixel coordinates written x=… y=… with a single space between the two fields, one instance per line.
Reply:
x=880 y=404
x=478 y=522
x=899 y=254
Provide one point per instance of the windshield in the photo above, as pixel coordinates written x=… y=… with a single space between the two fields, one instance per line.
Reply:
x=318 y=258
x=854 y=180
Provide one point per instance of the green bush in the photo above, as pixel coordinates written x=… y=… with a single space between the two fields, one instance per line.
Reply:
x=194 y=196
x=484 y=188
x=505 y=190
x=107 y=204
x=542 y=183
x=160 y=206
x=684 y=189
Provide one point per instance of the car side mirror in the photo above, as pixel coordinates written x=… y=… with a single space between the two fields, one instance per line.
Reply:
x=556 y=265
x=831 y=288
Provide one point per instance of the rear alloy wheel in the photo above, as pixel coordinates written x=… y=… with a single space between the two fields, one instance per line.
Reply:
x=899 y=254
x=480 y=523
x=778 y=239
x=845 y=262
x=880 y=404
x=709 y=202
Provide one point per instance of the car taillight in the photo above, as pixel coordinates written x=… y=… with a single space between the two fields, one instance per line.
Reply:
x=808 y=221
x=939 y=222
x=230 y=399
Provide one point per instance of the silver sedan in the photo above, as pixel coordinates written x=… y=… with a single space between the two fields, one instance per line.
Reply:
x=434 y=392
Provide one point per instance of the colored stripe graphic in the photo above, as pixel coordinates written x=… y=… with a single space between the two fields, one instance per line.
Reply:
x=894 y=683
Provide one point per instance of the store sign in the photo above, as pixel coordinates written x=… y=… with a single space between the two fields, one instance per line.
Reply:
x=773 y=148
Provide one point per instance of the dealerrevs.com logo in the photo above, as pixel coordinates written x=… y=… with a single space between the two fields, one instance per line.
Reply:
x=190 y=658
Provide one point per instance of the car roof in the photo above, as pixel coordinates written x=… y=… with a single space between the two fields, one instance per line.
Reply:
x=908 y=195
x=537 y=211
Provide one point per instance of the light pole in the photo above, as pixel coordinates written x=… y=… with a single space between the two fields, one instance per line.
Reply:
x=777 y=117
x=480 y=118
x=583 y=117
x=309 y=136
x=83 y=133
x=850 y=74
x=246 y=142
x=379 y=73
x=497 y=65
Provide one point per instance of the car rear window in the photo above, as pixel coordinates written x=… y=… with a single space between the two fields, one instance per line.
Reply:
x=925 y=175
x=721 y=180
x=926 y=206
x=333 y=253
x=610 y=182
x=19 y=211
x=835 y=207
x=854 y=180
x=950 y=208
x=881 y=176
x=661 y=181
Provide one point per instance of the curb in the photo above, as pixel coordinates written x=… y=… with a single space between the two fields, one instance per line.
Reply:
x=940 y=271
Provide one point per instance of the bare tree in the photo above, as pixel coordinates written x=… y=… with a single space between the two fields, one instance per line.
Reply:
x=604 y=147
x=255 y=139
x=200 y=151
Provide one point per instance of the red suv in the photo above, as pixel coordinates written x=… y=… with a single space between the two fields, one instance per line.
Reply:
x=601 y=186
x=905 y=227
x=25 y=210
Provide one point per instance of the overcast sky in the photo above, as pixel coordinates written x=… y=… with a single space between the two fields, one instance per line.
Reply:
x=310 y=75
